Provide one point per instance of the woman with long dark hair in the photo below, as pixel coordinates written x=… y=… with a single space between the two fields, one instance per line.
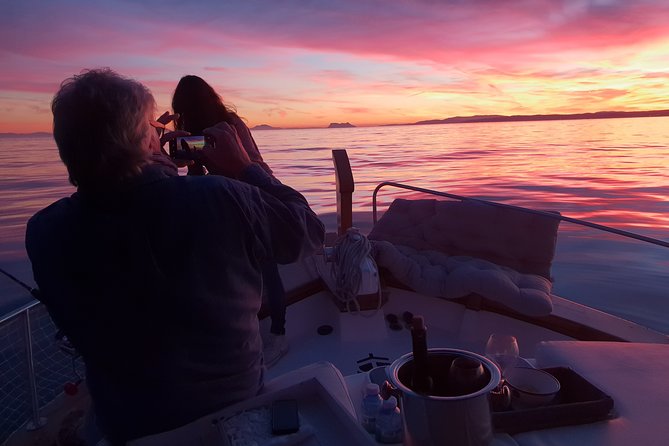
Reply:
x=198 y=106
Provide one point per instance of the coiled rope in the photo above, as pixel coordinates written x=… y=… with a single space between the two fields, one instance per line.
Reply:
x=350 y=250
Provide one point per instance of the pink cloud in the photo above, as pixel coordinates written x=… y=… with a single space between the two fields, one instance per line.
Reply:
x=435 y=31
x=277 y=56
x=655 y=75
x=356 y=110
x=407 y=30
x=276 y=111
x=217 y=69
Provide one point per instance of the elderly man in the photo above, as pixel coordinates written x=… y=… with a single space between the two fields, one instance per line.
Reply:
x=154 y=277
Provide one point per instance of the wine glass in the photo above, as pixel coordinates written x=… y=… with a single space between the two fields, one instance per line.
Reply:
x=502 y=349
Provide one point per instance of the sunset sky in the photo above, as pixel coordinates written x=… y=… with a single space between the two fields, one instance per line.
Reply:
x=307 y=63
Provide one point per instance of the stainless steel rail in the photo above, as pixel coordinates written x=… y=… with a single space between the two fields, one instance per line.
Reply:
x=15 y=313
x=23 y=313
x=553 y=215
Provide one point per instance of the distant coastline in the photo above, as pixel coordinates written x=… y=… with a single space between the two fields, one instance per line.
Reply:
x=24 y=135
x=452 y=120
x=502 y=118
x=550 y=117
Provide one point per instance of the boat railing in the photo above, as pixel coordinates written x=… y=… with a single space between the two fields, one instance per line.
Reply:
x=22 y=315
x=19 y=322
x=33 y=369
x=558 y=323
x=552 y=215
x=637 y=260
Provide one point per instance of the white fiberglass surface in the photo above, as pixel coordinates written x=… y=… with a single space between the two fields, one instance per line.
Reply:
x=359 y=342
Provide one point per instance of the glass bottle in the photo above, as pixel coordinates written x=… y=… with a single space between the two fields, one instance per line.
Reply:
x=421 y=381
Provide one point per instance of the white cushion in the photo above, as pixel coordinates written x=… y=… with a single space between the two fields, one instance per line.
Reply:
x=437 y=274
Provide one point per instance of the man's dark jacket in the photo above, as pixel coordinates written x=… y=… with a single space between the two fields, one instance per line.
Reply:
x=157 y=284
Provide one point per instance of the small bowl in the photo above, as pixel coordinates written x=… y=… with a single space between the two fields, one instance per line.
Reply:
x=531 y=387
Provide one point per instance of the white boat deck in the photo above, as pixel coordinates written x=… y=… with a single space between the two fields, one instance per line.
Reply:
x=356 y=336
x=633 y=374
x=639 y=402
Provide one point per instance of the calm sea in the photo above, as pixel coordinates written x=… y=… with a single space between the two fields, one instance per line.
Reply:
x=610 y=171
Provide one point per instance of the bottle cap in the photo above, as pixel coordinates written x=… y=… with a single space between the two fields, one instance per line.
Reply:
x=390 y=403
x=371 y=389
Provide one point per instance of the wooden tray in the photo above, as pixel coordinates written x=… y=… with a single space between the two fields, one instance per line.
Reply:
x=577 y=402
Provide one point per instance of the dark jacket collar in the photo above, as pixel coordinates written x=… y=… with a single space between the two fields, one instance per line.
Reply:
x=158 y=168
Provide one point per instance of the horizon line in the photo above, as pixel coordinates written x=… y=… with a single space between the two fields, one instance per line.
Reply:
x=454 y=120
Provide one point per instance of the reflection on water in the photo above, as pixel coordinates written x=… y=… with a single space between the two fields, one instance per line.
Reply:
x=611 y=171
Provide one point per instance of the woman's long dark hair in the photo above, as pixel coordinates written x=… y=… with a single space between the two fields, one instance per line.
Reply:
x=198 y=105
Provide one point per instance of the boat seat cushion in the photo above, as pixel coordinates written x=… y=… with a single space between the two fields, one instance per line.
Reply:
x=452 y=249
x=437 y=274
x=509 y=237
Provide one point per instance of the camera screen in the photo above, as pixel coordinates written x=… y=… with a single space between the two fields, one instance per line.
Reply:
x=186 y=144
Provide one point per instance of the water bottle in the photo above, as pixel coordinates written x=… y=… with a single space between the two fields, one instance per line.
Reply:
x=371 y=403
x=389 y=422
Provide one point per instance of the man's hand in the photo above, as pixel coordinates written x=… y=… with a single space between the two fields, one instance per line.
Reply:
x=224 y=154
x=166 y=118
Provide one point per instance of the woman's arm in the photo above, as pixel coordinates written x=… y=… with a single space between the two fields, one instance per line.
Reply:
x=249 y=144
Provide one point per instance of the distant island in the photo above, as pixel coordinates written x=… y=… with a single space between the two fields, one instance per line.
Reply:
x=265 y=127
x=553 y=117
x=24 y=135
x=340 y=125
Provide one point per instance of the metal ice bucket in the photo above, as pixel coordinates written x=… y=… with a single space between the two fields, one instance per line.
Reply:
x=445 y=416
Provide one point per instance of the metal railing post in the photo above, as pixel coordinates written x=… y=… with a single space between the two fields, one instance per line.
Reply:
x=37 y=422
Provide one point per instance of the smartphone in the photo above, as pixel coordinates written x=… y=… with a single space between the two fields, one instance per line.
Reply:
x=184 y=145
x=284 y=417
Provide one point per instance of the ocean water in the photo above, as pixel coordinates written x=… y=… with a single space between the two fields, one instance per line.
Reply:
x=613 y=172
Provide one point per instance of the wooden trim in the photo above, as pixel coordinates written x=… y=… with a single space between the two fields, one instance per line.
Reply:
x=345 y=188
x=551 y=322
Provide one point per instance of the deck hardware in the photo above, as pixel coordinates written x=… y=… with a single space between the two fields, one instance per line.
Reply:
x=371 y=361
x=325 y=330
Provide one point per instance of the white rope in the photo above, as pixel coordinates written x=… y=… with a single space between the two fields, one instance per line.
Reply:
x=350 y=250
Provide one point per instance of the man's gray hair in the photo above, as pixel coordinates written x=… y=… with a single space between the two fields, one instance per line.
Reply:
x=100 y=120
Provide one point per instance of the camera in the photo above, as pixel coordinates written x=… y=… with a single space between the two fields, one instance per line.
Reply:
x=185 y=146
